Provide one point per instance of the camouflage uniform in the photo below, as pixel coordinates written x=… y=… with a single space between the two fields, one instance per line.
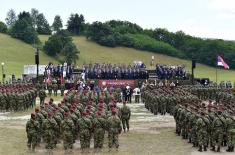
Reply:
x=32 y=128
x=49 y=87
x=218 y=125
x=125 y=117
x=99 y=125
x=62 y=89
x=85 y=126
x=202 y=134
x=67 y=128
x=55 y=88
x=114 y=128
x=40 y=118
x=42 y=96
x=49 y=126
x=230 y=121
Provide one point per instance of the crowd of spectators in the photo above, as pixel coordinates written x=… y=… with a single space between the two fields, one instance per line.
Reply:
x=60 y=70
x=170 y=72
x=58 y=74
x=114 y=71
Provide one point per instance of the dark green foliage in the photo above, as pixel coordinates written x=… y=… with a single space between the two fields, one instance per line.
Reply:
x=11 y=18
x=101 y=33
x=144 y=42
x=57 y=24
x=3 y=27
x=70 y=52
x=26 y=16
x=75 y=24
x=56 y=42
x=54 y=45
x=124 y=27
x=23 y=29
x=43 y=26
x=34 y=14
x=61 y=43
x=118 y=33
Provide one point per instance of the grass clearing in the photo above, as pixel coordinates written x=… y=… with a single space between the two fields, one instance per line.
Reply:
x=15 y=54
x=13 y=142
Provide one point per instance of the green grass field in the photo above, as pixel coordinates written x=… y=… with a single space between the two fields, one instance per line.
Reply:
x=15 y=54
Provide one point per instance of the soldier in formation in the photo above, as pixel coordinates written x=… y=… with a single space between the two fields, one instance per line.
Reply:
x=83 y=114
x=204 y=124
x=32 y=129
x=17 y=97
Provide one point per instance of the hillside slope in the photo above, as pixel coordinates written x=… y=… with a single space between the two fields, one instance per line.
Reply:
x=15 y=54
x=92 y=52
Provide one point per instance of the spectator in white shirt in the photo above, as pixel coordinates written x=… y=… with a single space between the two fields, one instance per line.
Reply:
x=137 y=94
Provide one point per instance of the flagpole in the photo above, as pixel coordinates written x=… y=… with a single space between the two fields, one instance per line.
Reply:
x=216 y=74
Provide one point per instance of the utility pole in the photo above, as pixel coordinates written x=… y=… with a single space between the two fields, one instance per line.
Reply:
x=3 y=74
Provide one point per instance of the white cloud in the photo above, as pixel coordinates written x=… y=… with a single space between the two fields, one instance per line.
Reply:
x=198 y=29
x=222 y=5
x=224 y=9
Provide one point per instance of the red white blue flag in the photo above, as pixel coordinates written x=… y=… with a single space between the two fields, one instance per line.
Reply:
x=221 y=62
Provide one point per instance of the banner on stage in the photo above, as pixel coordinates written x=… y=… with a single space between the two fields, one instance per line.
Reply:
x=32 y=69
x=131 y=83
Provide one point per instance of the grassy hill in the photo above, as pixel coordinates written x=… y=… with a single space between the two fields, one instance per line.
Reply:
x=92 y=52
x=16 y=53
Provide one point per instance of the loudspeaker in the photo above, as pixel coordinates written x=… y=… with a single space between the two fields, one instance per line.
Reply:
x=193 y=64
x=36 y=59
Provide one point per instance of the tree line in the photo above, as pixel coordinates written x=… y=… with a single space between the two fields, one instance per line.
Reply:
x=26 y=26
x=123 y=33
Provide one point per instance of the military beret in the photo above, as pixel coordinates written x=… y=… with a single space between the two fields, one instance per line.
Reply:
x=33 y=115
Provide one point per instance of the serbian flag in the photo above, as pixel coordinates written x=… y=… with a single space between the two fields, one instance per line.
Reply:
x=221 y=62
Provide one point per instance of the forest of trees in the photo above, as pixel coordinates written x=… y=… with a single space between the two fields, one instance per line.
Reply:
x=27 y=25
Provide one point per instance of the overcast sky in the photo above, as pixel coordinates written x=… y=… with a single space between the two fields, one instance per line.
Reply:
x=201 y=18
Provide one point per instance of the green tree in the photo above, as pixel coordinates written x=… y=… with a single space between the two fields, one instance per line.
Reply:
x=25 y=16
x=53 y=45
x=3 y=27
x=23 y=29
x=57 y=42
x=11 y=18
x=57 y=24
x=75 y=24
x=42 y=25
x=98 y=30
x=34 y=15
x=70 y=52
